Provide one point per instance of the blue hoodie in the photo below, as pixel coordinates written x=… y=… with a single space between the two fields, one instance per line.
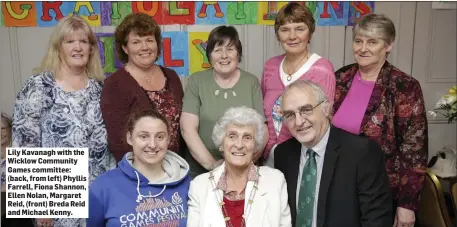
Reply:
x=123 y=197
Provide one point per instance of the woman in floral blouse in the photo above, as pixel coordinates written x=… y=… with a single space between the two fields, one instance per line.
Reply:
x=375 y=99
x=59 y=106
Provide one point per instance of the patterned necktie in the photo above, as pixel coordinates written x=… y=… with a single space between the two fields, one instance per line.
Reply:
x=307 y=191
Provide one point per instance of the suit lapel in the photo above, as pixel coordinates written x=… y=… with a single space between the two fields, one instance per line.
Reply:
x=331 y=156
x=293 y=168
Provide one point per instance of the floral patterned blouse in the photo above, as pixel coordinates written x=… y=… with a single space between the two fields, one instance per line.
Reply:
x=47 y=116
x=164 y=102
x=3 y=168
x=395 y=118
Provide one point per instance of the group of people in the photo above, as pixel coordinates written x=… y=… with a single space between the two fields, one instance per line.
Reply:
x=305 y=146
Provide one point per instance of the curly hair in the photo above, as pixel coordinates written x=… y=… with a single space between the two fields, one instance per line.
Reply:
x=240 y=115
x=140 y=23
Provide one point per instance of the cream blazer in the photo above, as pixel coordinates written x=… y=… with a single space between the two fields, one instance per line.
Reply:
x=269 y=209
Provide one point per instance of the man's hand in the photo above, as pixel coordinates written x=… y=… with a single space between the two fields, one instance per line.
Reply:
x=404 y=218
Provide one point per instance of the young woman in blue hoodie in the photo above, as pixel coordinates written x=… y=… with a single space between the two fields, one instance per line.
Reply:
x=150 y=185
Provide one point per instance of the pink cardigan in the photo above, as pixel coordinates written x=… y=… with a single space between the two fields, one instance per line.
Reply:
x=321 y=72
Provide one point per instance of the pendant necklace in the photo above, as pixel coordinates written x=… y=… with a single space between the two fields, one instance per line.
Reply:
x=144 y=77
x=289 y=76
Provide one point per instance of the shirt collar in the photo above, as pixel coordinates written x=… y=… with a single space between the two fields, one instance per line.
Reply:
x=252 y=176
x=319 y=148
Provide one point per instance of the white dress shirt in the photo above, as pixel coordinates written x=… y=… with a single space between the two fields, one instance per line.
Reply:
x=319 y=148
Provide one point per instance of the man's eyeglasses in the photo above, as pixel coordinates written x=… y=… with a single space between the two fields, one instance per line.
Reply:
x=304 y=111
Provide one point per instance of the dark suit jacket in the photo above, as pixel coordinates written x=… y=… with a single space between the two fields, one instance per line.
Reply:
x=354 y=187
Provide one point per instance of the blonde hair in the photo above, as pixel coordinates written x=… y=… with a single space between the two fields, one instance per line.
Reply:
x=65 y=27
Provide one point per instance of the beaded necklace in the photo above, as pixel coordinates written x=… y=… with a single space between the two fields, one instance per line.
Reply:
x=221 y=203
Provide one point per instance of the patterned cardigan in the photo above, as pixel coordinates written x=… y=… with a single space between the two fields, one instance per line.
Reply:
x=396 y=119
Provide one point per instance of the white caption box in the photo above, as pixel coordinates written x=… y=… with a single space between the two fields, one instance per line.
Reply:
x=47 y=182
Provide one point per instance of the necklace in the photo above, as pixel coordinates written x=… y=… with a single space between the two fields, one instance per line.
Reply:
x=289 y=76
x=144 y=77
x=221 y=203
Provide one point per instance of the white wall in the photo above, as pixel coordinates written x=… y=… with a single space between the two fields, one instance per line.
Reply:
x=426 y=42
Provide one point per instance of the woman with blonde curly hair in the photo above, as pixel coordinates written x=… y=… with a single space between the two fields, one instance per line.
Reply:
x=59 y=106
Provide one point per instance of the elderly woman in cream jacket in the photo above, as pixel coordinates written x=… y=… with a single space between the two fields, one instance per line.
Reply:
x=238 y=193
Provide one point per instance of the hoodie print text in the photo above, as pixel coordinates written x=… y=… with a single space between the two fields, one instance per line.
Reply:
x=157 y=212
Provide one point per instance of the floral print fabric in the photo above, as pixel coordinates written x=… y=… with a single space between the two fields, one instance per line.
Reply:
x=47 y=116
x=396 y=119
x=165 y=104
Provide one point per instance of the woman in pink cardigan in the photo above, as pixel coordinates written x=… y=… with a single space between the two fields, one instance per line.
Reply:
x=294 y=27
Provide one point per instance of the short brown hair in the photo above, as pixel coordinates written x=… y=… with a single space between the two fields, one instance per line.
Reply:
x=375 y=26
x=140 y=23
x=295 y=13
x=221 y=34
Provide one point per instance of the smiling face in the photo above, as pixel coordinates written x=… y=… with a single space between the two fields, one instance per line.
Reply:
x=224 y=58
x=238 y=145
x=75 y=50
x=310 y=126
x=149 y=140
x=369 y=51
x=294 y=37
x=142 y=51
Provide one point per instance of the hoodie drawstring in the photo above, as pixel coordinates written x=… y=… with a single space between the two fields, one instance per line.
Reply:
x=140 y=196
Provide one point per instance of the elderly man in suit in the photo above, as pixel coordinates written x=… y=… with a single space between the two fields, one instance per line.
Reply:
x=334 y=178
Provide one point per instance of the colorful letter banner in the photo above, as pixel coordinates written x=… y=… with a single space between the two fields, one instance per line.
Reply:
x=197 y=51
x=184 y=52
x=47 y=13
x=175 y=49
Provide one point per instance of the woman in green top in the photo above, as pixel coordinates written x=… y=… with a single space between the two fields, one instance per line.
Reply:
x=210 y=93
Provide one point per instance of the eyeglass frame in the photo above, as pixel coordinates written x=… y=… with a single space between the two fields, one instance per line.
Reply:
x=300 y=112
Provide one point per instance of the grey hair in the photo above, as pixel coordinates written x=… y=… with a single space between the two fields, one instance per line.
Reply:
x=315 y=88
x=240 y=115
x=375 y=26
